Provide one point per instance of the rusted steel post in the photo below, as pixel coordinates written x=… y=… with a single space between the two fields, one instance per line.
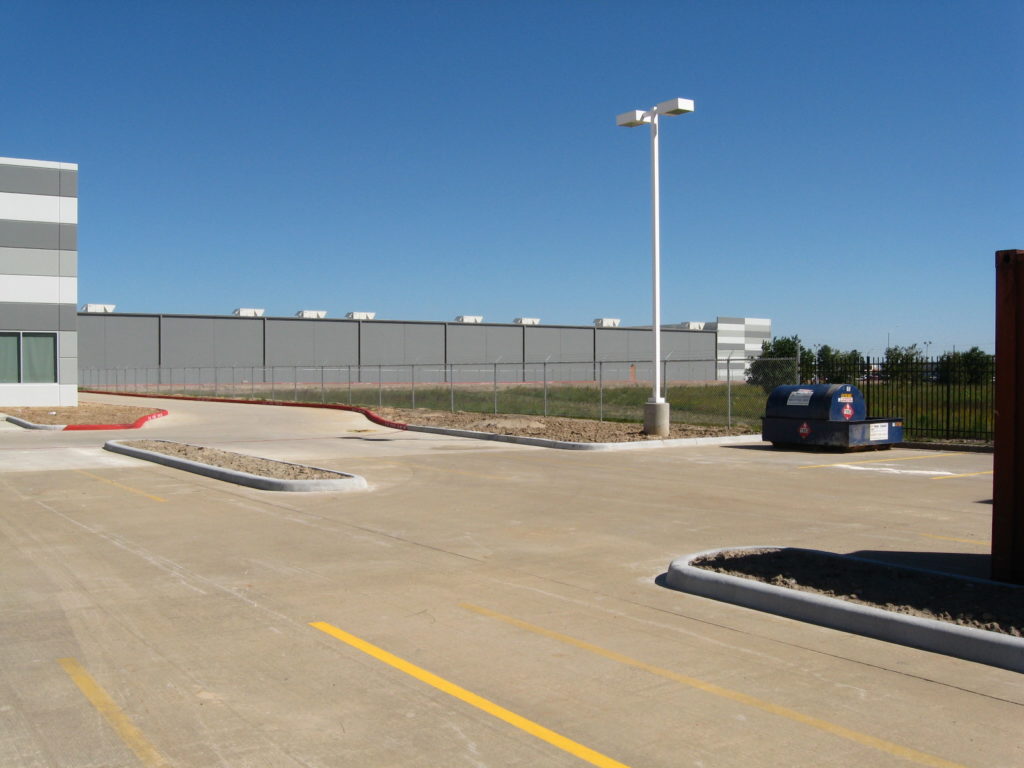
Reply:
x=1008 y=480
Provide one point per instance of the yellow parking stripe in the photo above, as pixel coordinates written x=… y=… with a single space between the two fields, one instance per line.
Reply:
x=882 y=461
x=897 y=750
x=954 y=538
x=114 y=715
x=121 y=486
x=969 y=474
x=532 y=728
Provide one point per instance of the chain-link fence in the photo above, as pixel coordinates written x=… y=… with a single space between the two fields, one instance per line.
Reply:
x=606 y=390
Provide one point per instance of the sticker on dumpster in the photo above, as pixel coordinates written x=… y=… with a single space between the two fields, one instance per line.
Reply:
x=846 y=398
x=847 y=411
x=800 y=397
x=805 y=430
x=879 y=431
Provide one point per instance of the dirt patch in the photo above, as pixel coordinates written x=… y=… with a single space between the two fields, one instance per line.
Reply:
x=549 y=427
x=971 y=603
x=239 y=462
x=86 y=413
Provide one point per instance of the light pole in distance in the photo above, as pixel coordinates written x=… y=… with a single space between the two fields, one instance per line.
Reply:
x=656 y=410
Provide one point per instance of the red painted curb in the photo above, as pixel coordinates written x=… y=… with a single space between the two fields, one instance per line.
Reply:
x=330 y=406
x=134 y=425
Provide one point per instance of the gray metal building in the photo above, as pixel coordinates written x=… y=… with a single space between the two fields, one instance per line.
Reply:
x=149 y=341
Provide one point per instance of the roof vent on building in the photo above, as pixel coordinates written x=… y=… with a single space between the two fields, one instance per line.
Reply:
x=248 y=312
x=311 y=314
x=527 y=321
x=360 y=315
x=607 y=322
x=469 y=319
x=103 y=308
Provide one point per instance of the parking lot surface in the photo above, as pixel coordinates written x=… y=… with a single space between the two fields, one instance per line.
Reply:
x=482 y=604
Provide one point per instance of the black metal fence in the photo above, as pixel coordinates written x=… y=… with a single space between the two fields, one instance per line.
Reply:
x=946 y=398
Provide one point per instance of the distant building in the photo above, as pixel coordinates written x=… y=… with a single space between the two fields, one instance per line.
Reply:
x=739 y=340
x=38 y=283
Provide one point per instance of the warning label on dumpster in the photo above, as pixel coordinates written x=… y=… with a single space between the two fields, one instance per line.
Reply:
x=879 y=431
x=800 y=397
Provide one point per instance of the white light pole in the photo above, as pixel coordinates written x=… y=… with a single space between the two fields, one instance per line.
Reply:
x=656 y=410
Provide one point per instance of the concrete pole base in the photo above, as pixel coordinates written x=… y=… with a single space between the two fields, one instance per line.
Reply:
x=656 y=419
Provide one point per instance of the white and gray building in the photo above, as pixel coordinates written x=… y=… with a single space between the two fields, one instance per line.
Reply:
x=38 y=283
x=738 y=341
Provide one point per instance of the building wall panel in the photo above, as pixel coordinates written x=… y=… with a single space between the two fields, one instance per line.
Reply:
x=569 y=345
x=22 y=316
x=29 y=180
x=467 y=343
x=336 y=343
x=382 y=343
x=30 y=261
x=118 y=341
x=424 y=343
x=290 y=342
x=56 y=210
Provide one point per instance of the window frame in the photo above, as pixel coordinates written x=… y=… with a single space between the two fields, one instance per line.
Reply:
x=20 y=351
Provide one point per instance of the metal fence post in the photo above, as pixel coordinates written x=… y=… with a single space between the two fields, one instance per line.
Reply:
x=451 y=384
x=412 y=381
x=949 y=407
x=380 y=386
x=600 y=391
x=728 y=390
x=495 y=387
x=323 y=392
x=545 y=387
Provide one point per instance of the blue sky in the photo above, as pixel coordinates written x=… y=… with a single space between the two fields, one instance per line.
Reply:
x=849 y=171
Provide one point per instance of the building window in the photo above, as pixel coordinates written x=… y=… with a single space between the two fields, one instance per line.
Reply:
x=28 y=358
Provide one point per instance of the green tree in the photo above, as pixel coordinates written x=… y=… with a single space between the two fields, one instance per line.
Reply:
x=903 y=364
x=777 y=364
x=971 y=367
x=837 y=367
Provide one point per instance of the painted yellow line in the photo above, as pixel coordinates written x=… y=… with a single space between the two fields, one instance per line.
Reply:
x=532 y=728
x=114 y=715
x=121 y=485
x=969 y=474
x=897 y=750
x=882 y=461
x=954 y=538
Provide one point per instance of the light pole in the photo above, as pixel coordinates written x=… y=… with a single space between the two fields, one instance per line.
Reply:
x=656 y=410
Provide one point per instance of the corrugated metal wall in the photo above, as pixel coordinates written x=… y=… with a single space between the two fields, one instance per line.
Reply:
x=109 y=341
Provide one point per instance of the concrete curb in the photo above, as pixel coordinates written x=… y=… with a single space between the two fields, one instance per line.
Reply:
x=32 y=425
x=982 y=646
x=137 y=424
x=345 y=481
x=569 y=446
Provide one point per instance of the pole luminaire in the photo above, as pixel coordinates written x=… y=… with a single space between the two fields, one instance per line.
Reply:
x=656 y=410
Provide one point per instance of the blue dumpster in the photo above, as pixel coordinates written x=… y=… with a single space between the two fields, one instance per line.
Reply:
x=832 y=415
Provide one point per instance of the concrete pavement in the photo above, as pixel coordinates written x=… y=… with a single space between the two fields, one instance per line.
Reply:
x=153 y=617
